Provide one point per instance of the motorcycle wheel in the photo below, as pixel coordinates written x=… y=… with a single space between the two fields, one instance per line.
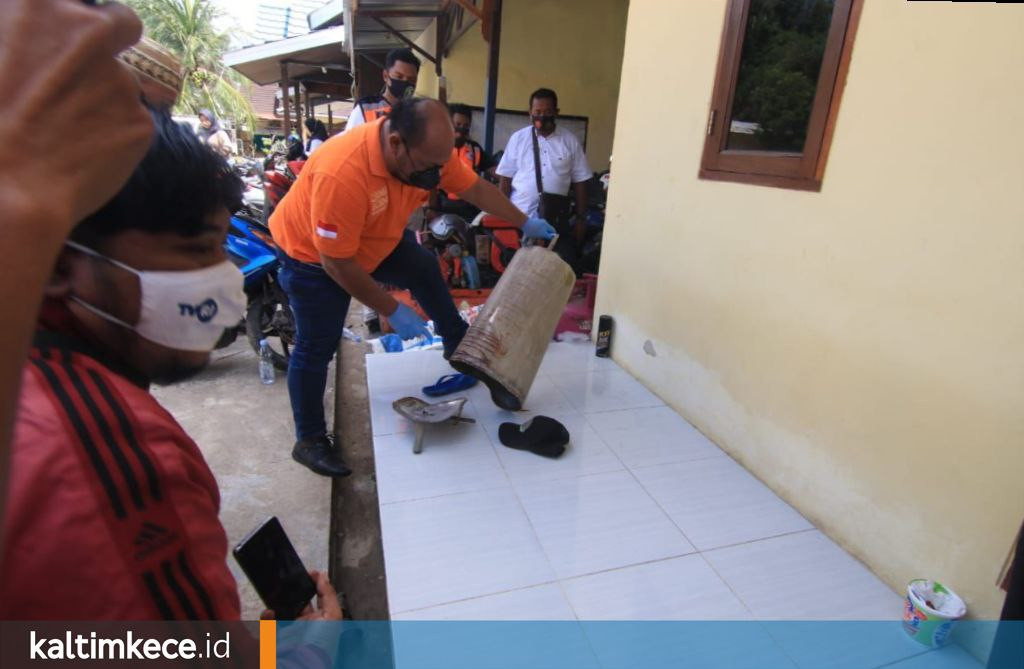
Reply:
x=269 y=317
x=228 y=338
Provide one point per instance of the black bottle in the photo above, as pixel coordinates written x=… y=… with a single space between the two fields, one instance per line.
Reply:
x=604 y=336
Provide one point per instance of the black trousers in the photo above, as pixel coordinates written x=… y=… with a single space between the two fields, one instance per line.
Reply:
x=1008 y=647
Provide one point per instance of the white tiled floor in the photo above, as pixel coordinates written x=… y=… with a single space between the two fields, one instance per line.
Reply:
x=643 y=518
x=716 y=502
x=459 y=546
x=684 y=588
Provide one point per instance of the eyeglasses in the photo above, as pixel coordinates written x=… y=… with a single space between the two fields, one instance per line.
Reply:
x=408 y=152
x=462 y=129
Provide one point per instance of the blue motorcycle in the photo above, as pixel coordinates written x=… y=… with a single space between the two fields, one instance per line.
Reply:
x=267 y=315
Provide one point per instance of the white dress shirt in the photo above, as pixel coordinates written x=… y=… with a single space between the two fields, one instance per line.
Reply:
x=355 y=118
x=562 y=163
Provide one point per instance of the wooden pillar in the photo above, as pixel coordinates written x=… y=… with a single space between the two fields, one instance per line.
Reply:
x=286 y=115
x=298 y=108
x=491 y=99
x=442 y=85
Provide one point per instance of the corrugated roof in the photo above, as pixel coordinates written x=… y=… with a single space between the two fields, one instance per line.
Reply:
x=281 y=20
x=409 y=17
x=263 y=99
x=261 y=62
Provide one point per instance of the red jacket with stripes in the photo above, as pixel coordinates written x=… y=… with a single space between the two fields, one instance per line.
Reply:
x=112 y=510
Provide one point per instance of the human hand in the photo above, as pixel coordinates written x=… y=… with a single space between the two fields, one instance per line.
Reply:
x=537 y=228
x=407 y=323
x=328 y=606
x=73 y=110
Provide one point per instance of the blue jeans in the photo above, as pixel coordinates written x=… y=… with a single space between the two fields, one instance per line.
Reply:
x=320 y=306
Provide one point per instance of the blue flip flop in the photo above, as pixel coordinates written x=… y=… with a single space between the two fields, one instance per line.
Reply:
x=448 y=384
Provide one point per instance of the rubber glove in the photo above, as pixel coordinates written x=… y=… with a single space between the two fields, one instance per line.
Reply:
x=407 y=323
x=538 y=228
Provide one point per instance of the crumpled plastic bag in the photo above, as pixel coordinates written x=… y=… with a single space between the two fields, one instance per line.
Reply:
x=940 y=600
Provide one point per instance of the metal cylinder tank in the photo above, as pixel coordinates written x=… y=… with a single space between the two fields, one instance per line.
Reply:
x=506 y=343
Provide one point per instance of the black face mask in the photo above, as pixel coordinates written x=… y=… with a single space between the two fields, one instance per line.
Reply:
x=427 y=179
x=547 y=123
x=401 y=89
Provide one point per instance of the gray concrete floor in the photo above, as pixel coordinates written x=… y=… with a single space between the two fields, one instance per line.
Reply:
x=244 y=430
x=357 y=552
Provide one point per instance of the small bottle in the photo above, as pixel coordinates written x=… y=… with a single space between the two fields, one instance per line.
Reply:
x=604 y=336
x=266 y=363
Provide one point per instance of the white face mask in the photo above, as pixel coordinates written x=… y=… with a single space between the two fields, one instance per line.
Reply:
x=187 y=310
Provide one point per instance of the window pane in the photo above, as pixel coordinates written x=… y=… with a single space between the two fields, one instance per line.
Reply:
x=782 y=52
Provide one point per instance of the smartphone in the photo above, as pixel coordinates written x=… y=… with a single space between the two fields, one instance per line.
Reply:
x=269 y=560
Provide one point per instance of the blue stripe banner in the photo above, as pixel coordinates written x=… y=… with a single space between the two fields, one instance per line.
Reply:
x=647 y=645
x=509 y=645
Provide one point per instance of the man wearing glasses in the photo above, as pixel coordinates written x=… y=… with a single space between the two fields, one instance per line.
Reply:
x=342 y=228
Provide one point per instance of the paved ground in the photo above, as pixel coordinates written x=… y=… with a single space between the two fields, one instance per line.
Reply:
x=357 y=554
x=244 y=430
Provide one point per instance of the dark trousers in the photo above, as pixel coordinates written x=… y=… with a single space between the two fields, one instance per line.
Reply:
x=1008 y=646
x=566 y=247
x=320 y=306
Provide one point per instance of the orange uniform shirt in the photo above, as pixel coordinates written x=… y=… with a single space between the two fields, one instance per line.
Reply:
x=346 y=204
x=471 y=156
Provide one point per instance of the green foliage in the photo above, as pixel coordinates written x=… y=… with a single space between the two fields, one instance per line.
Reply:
x=782 y=53
x=185 y=27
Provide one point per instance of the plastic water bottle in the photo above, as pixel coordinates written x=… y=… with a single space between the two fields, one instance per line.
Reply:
x=266 y=363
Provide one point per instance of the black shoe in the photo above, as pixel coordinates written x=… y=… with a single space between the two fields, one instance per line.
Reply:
x=321 y=456
x=541 y=435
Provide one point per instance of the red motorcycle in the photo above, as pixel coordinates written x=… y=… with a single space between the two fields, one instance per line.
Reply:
x=276 y=183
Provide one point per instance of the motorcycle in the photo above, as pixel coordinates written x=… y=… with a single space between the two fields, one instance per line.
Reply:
x=267 y=315
x=277 y=179
x=253 y=198
x=450 y=239
x=245 y=167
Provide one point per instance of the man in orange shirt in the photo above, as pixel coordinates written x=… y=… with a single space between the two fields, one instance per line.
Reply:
x=473 y=155
x=342 y=228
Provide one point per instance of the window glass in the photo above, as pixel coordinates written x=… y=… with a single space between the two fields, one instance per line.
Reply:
x=783 y=47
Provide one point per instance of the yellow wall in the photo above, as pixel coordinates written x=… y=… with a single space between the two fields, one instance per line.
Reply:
x=571 y=46
x=859 y=349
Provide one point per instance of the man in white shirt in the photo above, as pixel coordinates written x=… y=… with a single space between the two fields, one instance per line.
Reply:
x=562 y=163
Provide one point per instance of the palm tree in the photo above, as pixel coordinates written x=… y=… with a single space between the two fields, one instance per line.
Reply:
x=185 y=27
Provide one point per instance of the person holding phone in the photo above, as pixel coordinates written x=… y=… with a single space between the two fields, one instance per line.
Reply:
x=270 y=562
x=113 y=506
x=59 y=70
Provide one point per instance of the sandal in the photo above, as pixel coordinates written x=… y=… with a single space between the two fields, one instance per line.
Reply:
x=448 y=384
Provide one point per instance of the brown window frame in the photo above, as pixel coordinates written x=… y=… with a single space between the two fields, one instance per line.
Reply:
x=802 y=171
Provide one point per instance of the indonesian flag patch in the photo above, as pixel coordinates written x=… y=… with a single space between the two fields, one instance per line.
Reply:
x=328 y=230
